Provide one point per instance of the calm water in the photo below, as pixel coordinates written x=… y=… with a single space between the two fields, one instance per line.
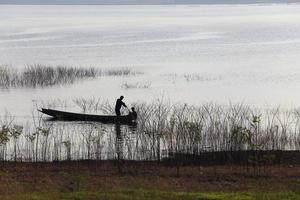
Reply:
x=229 y=53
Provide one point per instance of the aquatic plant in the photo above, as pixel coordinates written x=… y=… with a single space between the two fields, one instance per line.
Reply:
x=163 y=131
x=38 y=75
x=135 y=85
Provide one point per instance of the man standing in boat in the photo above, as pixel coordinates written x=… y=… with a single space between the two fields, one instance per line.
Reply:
x=119 y=104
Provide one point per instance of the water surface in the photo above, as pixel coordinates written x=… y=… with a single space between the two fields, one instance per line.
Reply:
x=232 y=53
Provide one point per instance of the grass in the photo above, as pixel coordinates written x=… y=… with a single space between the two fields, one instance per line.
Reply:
x=42 y=76
x=120 y=72
x=143 y=181
x=140 y=194
x=162 y=130
x=135 y=85
x=200 y=77
x=189 y=77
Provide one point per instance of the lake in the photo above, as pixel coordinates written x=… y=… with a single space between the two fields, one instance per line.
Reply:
x=194 y=54
x=186 y=53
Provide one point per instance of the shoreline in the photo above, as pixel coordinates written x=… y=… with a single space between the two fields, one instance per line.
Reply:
x=145 y=180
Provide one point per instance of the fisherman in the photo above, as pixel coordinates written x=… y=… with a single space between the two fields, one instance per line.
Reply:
x=133 y=114
x=119 y=104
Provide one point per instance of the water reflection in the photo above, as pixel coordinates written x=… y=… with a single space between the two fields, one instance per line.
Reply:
x=120 y=138
x=119 y=141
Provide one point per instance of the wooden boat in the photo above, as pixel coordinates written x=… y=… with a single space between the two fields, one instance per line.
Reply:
x=69 y=116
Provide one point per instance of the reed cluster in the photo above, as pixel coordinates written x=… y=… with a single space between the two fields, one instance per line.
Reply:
x=44 y=76
x=162 y=130
x=136 y=85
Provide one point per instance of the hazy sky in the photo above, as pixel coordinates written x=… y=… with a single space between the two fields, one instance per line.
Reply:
x=140 y=1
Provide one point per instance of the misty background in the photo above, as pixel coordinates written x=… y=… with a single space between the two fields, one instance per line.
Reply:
x=139 y=2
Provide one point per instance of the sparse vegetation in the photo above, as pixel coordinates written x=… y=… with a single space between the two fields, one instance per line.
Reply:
x=141 y=194
x=229 y=148
x=43 y=76
x=189 y=77
x=120 y=72
x=200 y=77
x=142 y=180
x=134 y=85
x=163 y=131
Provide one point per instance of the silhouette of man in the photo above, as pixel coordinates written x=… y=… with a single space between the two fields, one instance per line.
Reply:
x=119 y=104
x=133 y=113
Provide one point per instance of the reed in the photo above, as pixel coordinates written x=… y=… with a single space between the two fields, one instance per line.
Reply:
x=136 y=85
x=44 y=76
x=163 y=131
